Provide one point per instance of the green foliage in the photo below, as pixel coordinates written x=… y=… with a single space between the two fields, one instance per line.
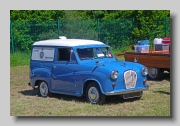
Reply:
x=48 y=35
x=118 y=28
x=151 y=24
x=36 y=14
x=81 y=29
x=117 y=33
x=25 y=33
x=22 y=38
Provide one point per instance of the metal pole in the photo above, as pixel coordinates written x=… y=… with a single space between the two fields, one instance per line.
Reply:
x=12 y=41
x=58 y=27
x=132 y=28
x=165 y=26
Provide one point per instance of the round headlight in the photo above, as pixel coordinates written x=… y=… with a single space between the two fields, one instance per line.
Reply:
x=145 y=71
x=114 y=75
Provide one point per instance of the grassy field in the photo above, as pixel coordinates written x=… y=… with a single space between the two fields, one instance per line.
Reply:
x=25 y=102
x=19 y=59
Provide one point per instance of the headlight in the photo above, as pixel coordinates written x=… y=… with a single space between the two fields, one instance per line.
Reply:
x=114 y=75
x=144 y=71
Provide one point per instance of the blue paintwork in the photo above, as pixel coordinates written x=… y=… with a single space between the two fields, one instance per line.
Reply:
x=69 y=77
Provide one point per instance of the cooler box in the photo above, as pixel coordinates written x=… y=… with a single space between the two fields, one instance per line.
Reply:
x=158 y=41
x=166 y=40
x=141 y=48
x=161 y=47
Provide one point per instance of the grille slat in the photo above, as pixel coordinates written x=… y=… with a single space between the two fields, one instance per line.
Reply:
x=130 y=78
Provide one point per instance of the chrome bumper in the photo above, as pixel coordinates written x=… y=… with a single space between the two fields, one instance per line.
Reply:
x=126 y=91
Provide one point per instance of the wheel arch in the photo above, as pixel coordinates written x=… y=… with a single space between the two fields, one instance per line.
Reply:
x=87 y=82
x=40 y=74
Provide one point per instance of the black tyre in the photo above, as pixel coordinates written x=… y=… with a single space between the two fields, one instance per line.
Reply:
x=155 y=73
x=43 y=89
x=94 y=94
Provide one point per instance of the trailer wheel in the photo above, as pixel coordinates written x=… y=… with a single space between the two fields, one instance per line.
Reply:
x=155 y=73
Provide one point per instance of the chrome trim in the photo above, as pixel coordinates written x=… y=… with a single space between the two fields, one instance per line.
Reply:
x=130 y=79
x=126 y=92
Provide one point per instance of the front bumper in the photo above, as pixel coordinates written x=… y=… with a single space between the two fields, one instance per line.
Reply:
x=126 y=91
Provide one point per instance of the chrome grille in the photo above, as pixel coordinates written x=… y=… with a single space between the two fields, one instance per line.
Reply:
x=130 y=78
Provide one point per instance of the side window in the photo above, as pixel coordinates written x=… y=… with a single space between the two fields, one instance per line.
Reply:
x=43 y=53
x=85 y=53
x=63 y=54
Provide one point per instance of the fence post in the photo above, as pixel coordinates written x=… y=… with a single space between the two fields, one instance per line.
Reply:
x=132 y=28
x=11 y=36
x=165 y=26
x=58 y=27
x=98 y=29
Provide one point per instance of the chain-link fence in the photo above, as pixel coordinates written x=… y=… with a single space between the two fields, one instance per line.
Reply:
x=116 y=33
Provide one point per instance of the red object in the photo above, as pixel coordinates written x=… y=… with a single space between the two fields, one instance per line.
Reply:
x=166 y=40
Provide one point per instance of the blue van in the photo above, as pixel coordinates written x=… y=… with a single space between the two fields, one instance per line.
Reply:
x=82 y=67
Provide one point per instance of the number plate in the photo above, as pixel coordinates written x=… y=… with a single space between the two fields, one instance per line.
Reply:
x=132 y=95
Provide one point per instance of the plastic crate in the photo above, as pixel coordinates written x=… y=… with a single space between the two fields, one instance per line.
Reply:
x=141 y=48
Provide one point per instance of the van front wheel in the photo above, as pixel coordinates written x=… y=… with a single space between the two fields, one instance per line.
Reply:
x=94 y=94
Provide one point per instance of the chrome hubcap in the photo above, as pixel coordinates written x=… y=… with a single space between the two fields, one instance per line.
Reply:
x=93 y=94
x=43 y=89
x=153 y=72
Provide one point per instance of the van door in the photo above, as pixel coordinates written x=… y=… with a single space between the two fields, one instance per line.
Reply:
x=63 y=74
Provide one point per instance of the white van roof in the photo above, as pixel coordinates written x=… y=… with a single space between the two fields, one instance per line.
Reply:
x=68 y=42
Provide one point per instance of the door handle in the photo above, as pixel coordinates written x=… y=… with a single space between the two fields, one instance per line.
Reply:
x=54 y=67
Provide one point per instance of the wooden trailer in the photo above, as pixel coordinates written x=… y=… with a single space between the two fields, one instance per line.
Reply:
x=156 y=61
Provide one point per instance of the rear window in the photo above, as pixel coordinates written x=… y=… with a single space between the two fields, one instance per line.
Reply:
x=43 y=53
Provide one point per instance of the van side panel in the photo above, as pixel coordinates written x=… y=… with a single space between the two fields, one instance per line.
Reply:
x=42 y=59
x=43 y=74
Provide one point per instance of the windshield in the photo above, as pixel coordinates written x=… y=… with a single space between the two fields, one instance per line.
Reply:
x=93 y=53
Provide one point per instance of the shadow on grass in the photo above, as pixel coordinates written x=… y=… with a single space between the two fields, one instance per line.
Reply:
x=119 y=99
x=57 y=96
x=166 y=76
x=29 y=92
x=162 y=92
x=109 y=99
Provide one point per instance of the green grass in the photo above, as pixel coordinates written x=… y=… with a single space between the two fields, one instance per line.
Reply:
x=19 y=59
